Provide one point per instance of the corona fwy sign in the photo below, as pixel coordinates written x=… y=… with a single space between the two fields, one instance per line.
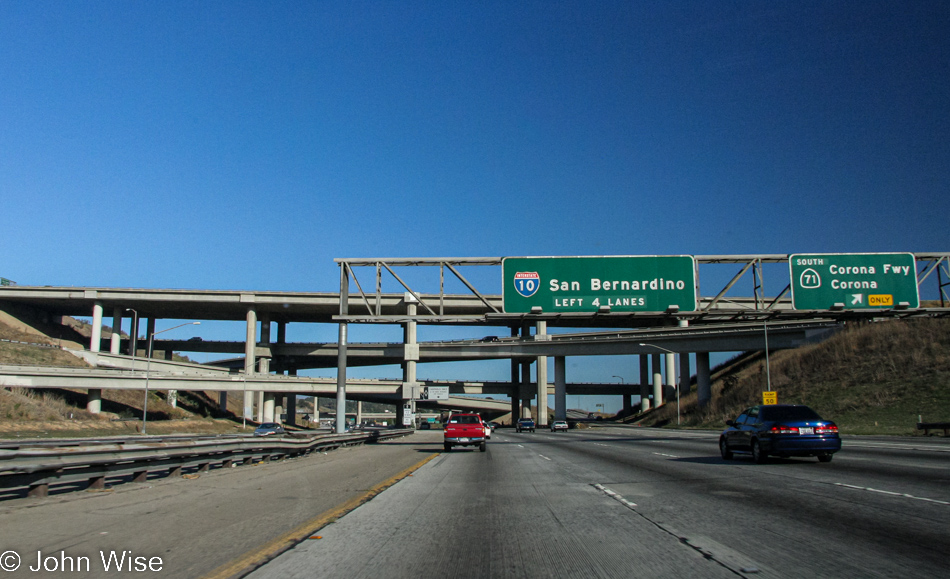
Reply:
x=854 y=281
x=598 y=284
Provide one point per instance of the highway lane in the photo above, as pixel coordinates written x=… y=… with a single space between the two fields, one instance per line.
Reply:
x=626 y=502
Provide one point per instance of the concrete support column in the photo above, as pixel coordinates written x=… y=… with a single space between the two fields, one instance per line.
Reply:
x=359 y=412
x=341 y=383
x=657 y=381
x=400 y=414
x=291 y=408
x=94 y=401
x=526 y=389
x=263 y=367
x=94 y=395
x=410 y=342
x=172 y=394
x=268 y=407
x=703 y=381
x=684 y=366
x=515 y=386
x=627 y=404
x=133 y=335
x=223 y=401
x=291 y=396
x=149 y=340
x=116 y=341
x=410 y=360
x=644 y=383
x=278 y=407
x=96 y=339
x=250 y=341
x=341 y=352
x=684 y=374
x=515 y=392
x=670 y=365
x=260 y=407
x=541 y=373
x=560 y=389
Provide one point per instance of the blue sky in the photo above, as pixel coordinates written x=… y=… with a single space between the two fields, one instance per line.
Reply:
x=245 y=145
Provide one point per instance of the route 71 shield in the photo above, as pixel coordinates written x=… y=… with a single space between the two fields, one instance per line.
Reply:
x=527 y=283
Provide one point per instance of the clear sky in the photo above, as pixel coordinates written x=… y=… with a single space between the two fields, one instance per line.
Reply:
x=244 y=145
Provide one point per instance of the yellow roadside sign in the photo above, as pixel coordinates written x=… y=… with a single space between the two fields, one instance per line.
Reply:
x=770 y=398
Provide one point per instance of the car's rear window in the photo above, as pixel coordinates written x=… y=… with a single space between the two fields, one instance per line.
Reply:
x=469 y=420
x=789 y=413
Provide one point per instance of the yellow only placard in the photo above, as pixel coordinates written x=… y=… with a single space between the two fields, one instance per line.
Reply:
x=770 y=398
x=881 y=300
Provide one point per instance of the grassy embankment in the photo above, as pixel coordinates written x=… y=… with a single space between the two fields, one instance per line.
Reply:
x=37 y=413
x=871 y=378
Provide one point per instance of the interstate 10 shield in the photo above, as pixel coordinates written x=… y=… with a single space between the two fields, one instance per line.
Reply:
x=527 y=283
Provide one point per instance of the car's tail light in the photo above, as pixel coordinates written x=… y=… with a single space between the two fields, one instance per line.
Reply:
x=826 y=429
x=782 y=429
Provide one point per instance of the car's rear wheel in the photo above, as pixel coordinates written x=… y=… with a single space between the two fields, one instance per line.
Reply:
x=482 y=447
x=447 y=447
x=724 y=449
x=824 y=457
x=757 y=454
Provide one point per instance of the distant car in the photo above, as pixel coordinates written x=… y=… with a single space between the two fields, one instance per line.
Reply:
x=780 y=430
x=525 y=424
x=490 y=339
x=493 y=425
x=487 y=430
x=559 y=425
x=269 y=428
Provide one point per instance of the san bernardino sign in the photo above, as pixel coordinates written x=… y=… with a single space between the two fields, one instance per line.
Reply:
x=591 y=284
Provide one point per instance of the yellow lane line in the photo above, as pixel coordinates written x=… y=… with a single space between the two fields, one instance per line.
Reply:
x=249 y=561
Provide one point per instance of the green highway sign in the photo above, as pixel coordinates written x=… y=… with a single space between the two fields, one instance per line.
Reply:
x=857 y=281
x=592 y=284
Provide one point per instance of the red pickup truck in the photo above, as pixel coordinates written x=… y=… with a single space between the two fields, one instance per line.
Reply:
x=464 y=430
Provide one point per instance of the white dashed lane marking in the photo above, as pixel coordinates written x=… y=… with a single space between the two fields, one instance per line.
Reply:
x=892 y=493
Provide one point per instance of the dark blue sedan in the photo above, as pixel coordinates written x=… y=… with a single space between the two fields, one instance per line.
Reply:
x=780 y=430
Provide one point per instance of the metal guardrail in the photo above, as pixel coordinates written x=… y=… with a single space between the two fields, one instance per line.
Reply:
x=93 y=461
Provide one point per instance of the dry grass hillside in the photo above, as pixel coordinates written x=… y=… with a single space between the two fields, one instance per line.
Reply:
x=29 y=338
x=871 y=378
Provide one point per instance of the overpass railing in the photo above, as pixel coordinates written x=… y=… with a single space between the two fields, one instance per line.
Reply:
x=89 y=464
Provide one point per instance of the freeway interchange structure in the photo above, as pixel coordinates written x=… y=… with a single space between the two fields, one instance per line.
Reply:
x=649 y=306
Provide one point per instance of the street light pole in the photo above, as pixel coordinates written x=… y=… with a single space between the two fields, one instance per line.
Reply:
x=148 y=366
x=677 y=386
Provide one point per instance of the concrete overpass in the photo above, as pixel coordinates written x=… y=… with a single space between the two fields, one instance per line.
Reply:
x=722 y=322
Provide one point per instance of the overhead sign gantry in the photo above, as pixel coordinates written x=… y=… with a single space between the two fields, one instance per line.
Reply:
x=599 y=284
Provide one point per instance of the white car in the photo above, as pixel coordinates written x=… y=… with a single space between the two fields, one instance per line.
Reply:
x=559 y=425
x=487 y=428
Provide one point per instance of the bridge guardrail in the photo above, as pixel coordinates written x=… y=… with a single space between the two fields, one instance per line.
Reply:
x=38 y=468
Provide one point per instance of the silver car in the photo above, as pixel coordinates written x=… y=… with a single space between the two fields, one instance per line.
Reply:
x=269 y=428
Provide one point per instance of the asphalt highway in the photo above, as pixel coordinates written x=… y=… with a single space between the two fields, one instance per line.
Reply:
x=626 y=502
x=603 y=502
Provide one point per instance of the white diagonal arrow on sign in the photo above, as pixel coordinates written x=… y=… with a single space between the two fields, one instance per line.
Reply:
x=857 y=299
